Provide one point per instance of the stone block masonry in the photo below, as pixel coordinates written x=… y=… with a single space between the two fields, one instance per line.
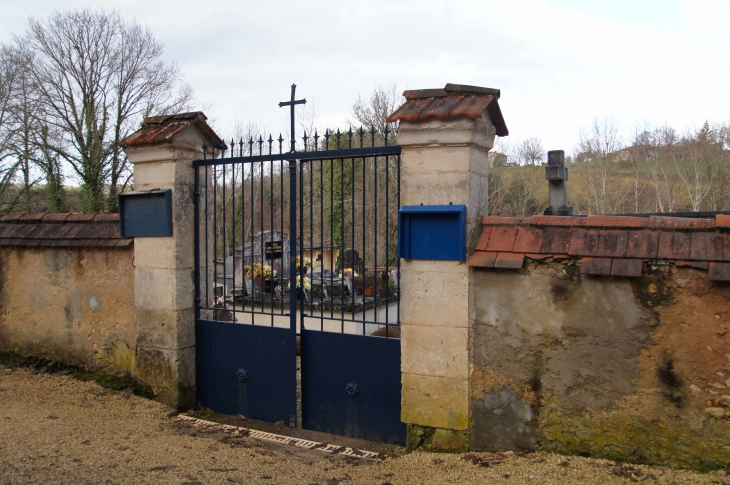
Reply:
x=610 y=339
x=445 y=135
x=162 y=152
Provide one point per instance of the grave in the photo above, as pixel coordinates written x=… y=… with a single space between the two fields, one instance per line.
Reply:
x=265 y=247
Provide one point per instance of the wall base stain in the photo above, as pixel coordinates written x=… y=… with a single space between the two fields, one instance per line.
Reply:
x=41 y=364
x=436 y=439
x=503 y=422
x=698 y=444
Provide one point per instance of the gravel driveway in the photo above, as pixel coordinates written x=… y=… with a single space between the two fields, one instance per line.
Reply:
x=56 y=429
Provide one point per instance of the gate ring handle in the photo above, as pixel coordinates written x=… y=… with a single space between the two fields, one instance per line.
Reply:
x=242 y=375
x=352 y=390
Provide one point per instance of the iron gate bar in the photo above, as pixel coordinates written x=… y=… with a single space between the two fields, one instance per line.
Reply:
x=233 y=235
x=196 y=238
x=215 y=240
x=305 y=156
x=225 y=230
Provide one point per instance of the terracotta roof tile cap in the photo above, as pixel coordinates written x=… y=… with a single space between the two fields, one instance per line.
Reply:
x=661 y=222
x=454 y=100
x=158 y=120
x=75 y=217
x=38 y=216
x=106 y=217
x=722 y=220
x=616 y=221
x=162 y=129
x=56 y=217
x=450 y=90
x=565 y=221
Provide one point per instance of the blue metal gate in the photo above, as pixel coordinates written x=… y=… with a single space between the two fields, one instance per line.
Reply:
x=307 y=255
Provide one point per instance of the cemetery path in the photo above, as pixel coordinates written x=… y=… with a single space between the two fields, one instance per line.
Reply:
x=56 y=429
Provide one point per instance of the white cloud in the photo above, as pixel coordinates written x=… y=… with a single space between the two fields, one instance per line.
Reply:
x=557 y=66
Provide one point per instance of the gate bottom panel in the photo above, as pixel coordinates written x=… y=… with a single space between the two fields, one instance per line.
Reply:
x=351 y=386
x=246 y=369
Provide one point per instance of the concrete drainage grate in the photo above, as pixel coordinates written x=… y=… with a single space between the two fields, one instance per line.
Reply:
x=277 y=438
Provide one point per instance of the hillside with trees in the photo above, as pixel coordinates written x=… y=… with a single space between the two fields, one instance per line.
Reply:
x=658 y=171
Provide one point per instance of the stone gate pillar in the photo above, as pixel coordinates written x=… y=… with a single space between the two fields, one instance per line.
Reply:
x=446 y=135
x=162 y=152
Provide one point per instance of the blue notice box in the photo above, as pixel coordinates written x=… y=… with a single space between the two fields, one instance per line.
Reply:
x=146 y=214
x=436 y=232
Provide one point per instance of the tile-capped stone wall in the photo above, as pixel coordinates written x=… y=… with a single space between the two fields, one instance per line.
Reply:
x=607 y=245
x=67 y=290
x=603 y=336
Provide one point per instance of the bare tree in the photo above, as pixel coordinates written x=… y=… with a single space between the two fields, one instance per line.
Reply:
x=8 y=85
x=529 y=152
x=98 y=76
x=599 y=139
x=697 y=176
x=602 y=190
x=658 y=147
x=25 y=114
x=520 y=195
x=373 y=112
x=495 y=193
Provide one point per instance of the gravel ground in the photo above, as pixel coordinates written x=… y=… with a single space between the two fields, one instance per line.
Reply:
x=56 y=429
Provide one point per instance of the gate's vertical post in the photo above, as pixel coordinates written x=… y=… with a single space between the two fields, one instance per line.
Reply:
x=445 y=136
x=293 y=244
x=162 y=152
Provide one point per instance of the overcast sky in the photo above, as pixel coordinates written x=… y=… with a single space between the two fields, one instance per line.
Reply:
x=558 y=63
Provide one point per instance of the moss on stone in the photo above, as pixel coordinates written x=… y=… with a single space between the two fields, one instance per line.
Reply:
x=698 y=444
x=436 y=439
x=40 y=364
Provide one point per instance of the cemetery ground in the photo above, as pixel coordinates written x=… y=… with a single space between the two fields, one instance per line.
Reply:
x=56 y=428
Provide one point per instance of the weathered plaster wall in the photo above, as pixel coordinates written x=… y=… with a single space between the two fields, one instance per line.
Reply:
x=69 y=304
x=635 y=369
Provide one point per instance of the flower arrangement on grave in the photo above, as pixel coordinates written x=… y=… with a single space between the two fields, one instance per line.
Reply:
x=303 y=265
x=260 y=269
x=307 y=282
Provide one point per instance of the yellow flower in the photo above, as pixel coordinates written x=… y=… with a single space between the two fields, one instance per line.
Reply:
x=260 y=269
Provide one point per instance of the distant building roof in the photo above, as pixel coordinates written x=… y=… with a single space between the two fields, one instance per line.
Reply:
x=62 y=230
x=452 y=101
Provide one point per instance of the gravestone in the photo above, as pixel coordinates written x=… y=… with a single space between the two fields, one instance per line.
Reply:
x=351 y=259
x=267 y=247
x=557 y=174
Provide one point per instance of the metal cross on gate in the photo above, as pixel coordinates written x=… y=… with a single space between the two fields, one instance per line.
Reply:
x=293 y=213
x=291 y=104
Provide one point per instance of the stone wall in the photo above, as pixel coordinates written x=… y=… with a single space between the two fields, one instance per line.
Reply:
x=67 y=290
x=75 y=305
x=573 y=352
